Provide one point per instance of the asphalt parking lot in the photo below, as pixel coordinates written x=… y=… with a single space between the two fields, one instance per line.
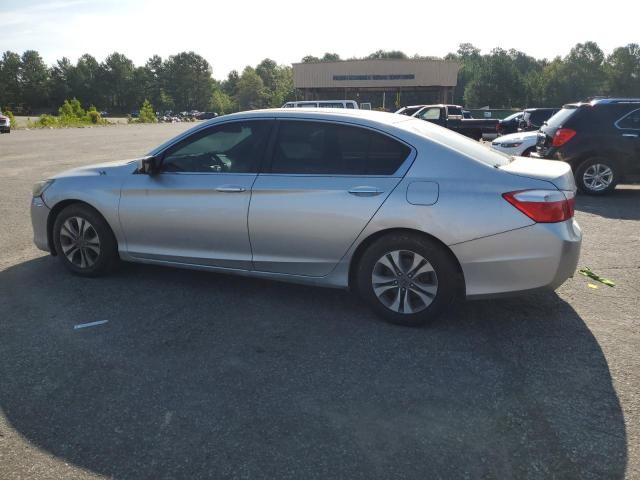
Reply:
x=199 y=375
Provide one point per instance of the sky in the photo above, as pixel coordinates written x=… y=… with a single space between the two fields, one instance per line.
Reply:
x=233 y=34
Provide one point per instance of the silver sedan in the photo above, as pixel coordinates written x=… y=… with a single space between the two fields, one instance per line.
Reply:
x=408 y=214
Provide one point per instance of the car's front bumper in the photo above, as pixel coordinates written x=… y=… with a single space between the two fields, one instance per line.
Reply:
x=39 y=216
x=542 y=255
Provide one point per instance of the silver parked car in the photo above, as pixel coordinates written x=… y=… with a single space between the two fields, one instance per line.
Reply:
x=409 y=214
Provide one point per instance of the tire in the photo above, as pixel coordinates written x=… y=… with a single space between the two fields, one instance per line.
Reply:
x=597 y=176
x=92 y=254
x=528 y=151
x=438 y=281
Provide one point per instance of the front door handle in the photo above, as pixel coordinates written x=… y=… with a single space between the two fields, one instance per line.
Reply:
x=365 y=191
x=229 y=189
x=632 y=135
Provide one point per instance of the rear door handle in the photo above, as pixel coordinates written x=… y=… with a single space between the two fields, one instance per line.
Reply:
x=229 y=189
x=632 y=135
x=365 y=191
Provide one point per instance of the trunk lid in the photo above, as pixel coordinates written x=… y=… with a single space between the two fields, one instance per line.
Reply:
x=556 y=172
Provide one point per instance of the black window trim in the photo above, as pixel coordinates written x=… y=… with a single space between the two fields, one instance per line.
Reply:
x=400 y=172
x=623 y=117
x=205 y=130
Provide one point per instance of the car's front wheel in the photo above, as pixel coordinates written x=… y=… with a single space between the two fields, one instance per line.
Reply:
x=597 y=176
x=84 y=241
x=408 y=279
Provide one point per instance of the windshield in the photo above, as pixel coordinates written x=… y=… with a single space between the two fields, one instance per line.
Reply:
x=557 y=120
x=513 y=116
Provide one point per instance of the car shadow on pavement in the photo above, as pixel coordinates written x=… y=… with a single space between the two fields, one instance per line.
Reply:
x=200 y=375
x=623 y=203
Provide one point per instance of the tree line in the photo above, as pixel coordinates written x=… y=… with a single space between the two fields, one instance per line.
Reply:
x=500 y=79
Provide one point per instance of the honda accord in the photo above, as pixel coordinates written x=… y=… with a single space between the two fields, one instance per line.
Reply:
x=406 y=213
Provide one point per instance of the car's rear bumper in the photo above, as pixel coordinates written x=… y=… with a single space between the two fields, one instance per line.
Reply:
x=542 y=255
x=39 y=216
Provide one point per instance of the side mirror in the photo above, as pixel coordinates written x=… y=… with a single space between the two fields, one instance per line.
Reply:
x=149 y=165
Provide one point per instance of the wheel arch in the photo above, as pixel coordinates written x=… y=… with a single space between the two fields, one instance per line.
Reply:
x=365 y=243
x=55 y=211
x=617 y=158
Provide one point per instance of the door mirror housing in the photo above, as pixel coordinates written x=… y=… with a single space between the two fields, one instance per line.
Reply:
x=149 y=165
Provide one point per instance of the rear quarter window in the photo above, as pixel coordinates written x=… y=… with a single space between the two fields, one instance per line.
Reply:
x=630 y=120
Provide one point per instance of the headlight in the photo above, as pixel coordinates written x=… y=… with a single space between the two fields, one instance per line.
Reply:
x=40 y=187
x=511 y=145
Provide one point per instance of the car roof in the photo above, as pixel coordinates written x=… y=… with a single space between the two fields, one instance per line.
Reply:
x=539 y=108
x=366 y=118
x=601 y=101
x=315 y=113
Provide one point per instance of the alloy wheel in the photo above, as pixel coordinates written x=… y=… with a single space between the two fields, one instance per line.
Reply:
x=597 y=177
x=404 y=281
x=80 y=242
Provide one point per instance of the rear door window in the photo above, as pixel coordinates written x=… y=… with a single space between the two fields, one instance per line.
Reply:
x=316 y=148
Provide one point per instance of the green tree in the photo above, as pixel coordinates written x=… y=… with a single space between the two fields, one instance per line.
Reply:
x=331 y=57
x=310 y=59
x=230 y=85
x=61 y=77
x=584 y=71
x=495 y=81
x=147 y=114
x=251 y=92
x=34 y=76
x=188 y=80
x=622 y=71
x=10 y=70
x=84 y=80
x=267 y=71
x=384 y=54
x=72 y=110
x=117 y=81
x=221 y=103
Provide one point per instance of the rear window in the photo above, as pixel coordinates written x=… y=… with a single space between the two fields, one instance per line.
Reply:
x=454 y=111
x=331 y=105
x=513 y=116
x=560 y=118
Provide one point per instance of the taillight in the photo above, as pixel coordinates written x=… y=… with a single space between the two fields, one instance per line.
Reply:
x=543 y=206
x=562 y=136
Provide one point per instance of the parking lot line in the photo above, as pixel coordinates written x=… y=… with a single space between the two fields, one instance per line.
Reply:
x=90 y=324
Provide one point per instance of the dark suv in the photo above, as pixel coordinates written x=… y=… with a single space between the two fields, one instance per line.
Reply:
x=534 y=118
x=599 y=139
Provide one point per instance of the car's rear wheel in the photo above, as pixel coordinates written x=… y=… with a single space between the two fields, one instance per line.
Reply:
x=408 y=279
x=528 y=152
x=84 y=241
x=597 y=176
